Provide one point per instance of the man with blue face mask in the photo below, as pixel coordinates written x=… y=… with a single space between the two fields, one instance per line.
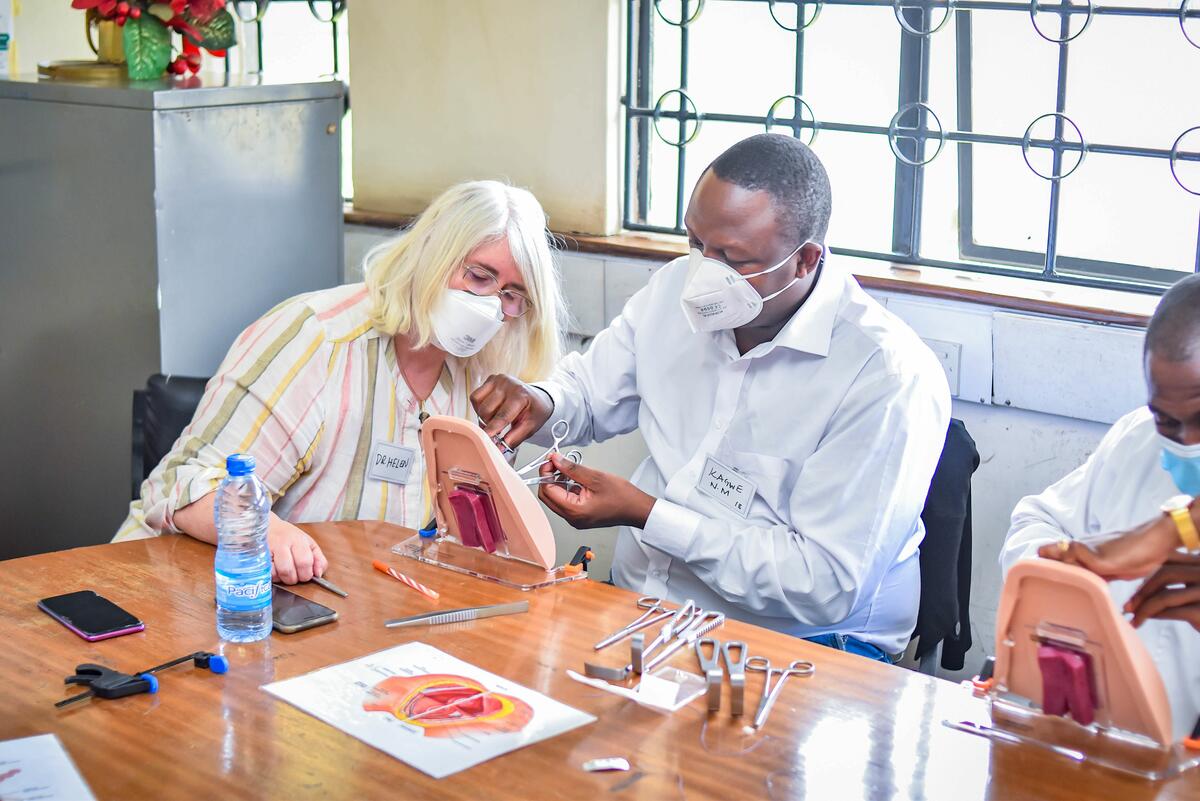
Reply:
x=1132 y=506
x=793 y=424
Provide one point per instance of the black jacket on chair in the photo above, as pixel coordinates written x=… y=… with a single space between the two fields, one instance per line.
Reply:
x=160 y=413
x=944 y=614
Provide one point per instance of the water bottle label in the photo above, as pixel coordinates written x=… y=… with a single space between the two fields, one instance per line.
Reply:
x=247 y=592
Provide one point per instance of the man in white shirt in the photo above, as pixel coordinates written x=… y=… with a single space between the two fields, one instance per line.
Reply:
x=793 y=424
x=1121 y=513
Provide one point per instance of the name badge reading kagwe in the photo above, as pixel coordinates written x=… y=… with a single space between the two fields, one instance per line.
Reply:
x=391 y=463
x=727 y=487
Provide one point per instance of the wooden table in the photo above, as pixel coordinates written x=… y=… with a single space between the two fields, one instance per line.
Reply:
x=857 y=729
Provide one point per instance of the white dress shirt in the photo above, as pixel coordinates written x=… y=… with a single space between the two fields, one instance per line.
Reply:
x=838 y=423
x=1120 y=486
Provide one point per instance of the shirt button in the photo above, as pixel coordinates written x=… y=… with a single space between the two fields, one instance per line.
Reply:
x=719 y=424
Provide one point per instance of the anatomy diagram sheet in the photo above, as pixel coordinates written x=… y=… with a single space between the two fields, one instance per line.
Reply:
x=428 y=709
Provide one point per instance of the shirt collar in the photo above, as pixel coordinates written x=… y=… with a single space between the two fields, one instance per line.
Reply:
x=811 y=327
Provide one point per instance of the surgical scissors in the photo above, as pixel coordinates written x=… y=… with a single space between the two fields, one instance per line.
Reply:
x=701 y=623
x=770 y=692
x=680 y=622
x=655 y=612
x=559 y=431
x=556 y=477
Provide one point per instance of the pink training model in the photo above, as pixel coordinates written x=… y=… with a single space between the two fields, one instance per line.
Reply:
x=1043 y=606
x=478 y=498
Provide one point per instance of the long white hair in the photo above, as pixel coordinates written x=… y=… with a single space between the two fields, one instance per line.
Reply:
x=407 y=275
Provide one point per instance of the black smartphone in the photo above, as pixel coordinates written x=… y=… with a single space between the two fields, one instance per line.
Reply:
x=292 y=612
x=91 y=616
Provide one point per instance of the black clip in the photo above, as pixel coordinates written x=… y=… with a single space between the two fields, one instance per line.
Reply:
x=105 y=682
x=581 y=558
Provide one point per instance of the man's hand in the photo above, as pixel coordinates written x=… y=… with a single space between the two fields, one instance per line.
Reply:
x=503 y=401
x=1172 y=593
x=1134 y=554
x=295 y=556
x=602 y=499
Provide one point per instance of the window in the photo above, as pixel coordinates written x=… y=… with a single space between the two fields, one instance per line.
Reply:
x=1052 y=139
x=302 y=40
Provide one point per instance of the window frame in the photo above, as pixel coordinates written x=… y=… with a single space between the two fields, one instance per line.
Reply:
x=641 y=113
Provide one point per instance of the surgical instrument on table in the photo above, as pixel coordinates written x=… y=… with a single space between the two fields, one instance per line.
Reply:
x=736 y=668
x=702 y=623
x=639 y=652
x=676 y=622
x=655 y=613
x=459 y=615
x=329 y=585
x=710 y=666
x=771 y=691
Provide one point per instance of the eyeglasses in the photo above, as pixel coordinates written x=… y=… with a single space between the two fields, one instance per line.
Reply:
x=479 y=281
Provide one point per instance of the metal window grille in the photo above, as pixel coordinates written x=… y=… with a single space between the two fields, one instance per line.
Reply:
x=915 y=133
x=254 y=12
x=289 y=22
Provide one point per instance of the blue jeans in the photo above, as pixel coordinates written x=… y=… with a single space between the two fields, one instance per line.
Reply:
x=851 y=645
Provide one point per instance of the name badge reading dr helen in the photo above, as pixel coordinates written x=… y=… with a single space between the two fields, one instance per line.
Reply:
x=727 y=487
x=391 y=463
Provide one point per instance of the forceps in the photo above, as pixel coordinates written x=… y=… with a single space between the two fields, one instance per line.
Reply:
x=559 y=431
x=676 y=622
x=557 y=478
x=770 y=692
x=683 y=618
x=655 y=613
x=702 y=623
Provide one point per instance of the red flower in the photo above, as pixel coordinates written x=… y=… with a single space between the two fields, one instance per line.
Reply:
x=181 y=24
x=204 y=10
x=106 y=8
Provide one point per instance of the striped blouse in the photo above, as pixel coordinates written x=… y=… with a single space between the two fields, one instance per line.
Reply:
x=308 y=390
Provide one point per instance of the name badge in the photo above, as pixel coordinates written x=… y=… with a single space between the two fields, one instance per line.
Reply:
x=727 y=487
x=391 y=463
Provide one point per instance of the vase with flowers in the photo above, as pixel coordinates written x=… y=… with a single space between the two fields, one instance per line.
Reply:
x=147 y=26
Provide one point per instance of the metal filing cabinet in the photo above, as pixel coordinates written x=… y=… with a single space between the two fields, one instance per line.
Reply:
x=142 y=226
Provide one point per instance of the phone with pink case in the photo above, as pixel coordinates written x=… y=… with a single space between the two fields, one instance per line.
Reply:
x=93 y=617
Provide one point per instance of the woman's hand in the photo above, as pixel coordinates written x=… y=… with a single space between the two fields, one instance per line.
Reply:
x=295 y=556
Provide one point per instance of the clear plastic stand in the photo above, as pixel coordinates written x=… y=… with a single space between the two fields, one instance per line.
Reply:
x=445 y=551
x=1015 y=722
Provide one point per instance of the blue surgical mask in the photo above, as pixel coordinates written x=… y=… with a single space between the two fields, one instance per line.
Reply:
x=1183 y=463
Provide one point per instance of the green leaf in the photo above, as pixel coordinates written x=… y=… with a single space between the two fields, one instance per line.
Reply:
x=217 y=33
x=147 y=47
x=162 y=11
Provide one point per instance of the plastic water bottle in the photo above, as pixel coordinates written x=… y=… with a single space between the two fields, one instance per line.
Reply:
x=243 y=565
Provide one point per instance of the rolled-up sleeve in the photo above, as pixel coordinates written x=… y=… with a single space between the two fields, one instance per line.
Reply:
x=853 y=510
x=264 y=400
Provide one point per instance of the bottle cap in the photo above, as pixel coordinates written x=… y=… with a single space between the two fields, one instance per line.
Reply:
x=240 y=464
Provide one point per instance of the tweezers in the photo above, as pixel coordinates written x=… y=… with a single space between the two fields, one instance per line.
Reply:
x=329 y=585
x=459 y=615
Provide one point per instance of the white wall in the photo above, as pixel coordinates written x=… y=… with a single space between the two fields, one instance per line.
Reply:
x=46 y=30
x=1036 y=393
x=526 y=90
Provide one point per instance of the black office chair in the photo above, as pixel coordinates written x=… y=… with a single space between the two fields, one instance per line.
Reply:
x=160 y=413
x=943 y=631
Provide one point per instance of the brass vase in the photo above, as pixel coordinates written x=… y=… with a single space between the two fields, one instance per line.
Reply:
x=111 y=47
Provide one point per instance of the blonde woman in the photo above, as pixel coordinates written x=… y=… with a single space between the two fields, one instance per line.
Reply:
x=327 y=381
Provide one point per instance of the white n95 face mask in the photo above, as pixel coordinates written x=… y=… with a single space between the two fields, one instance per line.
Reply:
x=717 y=297
x=463 y=323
